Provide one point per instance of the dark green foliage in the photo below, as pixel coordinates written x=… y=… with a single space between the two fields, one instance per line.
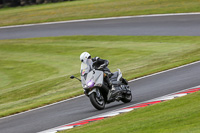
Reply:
x=14 y=3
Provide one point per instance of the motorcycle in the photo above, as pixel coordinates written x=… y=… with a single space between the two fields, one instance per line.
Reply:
x=96 y=88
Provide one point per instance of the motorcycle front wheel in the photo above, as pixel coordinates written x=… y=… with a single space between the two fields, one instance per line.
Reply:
x=98 y=103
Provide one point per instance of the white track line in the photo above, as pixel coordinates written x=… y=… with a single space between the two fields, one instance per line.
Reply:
x=165 y=71
x=41 y=107
x=99 y=19
x=83 y=94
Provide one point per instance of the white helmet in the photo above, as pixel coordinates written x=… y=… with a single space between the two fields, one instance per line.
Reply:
x=84 y=56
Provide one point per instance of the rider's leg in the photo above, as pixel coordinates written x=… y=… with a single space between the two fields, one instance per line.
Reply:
x=108 y=82
x=112 y=88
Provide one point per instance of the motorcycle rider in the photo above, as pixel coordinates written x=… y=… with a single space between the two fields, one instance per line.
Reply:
x=100 y=64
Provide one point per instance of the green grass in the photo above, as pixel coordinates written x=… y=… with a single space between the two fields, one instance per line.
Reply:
x=35 y=72
x=83 y=9
x=180 y=115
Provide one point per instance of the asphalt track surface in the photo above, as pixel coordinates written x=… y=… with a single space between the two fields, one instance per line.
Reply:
x=79 y=108
x=176 y=25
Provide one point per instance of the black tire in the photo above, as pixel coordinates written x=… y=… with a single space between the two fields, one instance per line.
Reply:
x=97 y=103
x=127 y=98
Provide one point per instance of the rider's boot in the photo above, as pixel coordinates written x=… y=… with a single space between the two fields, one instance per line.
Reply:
x=114 y=91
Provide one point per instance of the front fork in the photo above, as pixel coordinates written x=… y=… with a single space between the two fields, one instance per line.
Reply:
x=98 y=94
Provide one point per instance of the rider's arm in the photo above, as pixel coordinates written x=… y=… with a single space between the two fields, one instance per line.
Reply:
x=100 y=61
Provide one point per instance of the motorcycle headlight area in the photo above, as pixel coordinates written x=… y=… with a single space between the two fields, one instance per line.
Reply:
x=90 y=84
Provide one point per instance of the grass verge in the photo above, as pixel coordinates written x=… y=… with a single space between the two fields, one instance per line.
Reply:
x=35 y=72
x=84 y=9
x=180 y=115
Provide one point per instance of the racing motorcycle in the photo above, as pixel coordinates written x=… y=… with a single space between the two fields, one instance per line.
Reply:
x=96 y=88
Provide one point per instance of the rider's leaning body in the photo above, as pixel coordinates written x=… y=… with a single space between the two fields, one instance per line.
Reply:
x=97 y=63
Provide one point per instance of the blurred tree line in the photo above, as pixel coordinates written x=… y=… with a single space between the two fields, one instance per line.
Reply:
x=13 y=3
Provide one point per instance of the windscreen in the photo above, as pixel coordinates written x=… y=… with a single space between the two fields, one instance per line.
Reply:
x=86 y=68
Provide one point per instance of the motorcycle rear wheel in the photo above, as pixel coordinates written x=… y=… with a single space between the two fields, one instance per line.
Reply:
x=127 y=98
x=97 y=102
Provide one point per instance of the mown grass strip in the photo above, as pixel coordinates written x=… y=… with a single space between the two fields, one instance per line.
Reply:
x=35 y=72
x=84 y=9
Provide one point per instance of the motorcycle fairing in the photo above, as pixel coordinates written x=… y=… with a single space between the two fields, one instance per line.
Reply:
x=96 y=76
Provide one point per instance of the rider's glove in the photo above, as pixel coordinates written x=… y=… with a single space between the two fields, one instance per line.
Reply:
x=102 y=66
